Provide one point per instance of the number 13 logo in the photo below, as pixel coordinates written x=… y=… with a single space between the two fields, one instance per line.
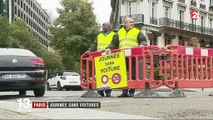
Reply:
x=193 y=14
x=24 y=103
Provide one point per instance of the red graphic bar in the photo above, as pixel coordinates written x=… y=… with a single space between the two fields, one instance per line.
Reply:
x=39 y=104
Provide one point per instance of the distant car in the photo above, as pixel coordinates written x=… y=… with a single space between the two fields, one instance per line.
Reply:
x=67 y=80
x=21 y=70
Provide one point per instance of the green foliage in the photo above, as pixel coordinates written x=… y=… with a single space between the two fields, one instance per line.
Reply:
x=52 y=60
x=74 y=31
x=25 y=39
x=193 y=41
x=17 y=35
x=5 y=40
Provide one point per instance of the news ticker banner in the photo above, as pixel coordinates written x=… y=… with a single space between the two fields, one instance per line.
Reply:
x=26 y=103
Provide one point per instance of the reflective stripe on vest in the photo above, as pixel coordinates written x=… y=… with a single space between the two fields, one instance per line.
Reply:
x=104 y=41
x=128 y=39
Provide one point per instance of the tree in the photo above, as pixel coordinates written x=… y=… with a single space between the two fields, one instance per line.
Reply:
x=193 y=41
x=17 y=35
x=25 y=39
x=74 y=30
x=5 y=39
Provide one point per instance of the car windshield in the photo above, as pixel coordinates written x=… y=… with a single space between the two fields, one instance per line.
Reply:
x=70 y=74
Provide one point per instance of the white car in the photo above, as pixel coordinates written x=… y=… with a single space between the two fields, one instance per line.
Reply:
x=67 y=80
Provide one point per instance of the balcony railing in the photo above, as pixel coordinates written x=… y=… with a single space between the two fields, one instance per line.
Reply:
x=138 y=18
x=193 y=3
x=202 y=6
x=185 y=26
x=179 y=24
x=153 y=21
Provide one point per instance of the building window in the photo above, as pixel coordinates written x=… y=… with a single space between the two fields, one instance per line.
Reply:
x=167 y=12
x=194 y=22
x=15 y=11
x=132 y=8
x=24 y=7
x=31 y=3
x=211 y=3
x=210 y=23
x=153 y=41
x=5 y=7
x=27 y=9
x=181 y=42
x=21 y=15
x=181 y=16
x=180 y=23
x=168 y=42
x=202 y=23
x=21 y=4
x=202 y=43
x=153 y=10
x=18 y=13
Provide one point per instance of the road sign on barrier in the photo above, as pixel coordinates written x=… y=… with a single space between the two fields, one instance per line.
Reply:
x=108 y=69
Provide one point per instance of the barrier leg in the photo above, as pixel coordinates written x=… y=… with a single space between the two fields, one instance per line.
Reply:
x=176 y=92
x=91 y=93
x=147 y=92
x=211 y=94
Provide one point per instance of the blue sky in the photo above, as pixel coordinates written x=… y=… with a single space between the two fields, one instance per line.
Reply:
x=102 y=8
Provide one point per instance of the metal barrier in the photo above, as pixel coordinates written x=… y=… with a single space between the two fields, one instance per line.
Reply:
x=188 y=67
x=144 y=67
x=173 y=66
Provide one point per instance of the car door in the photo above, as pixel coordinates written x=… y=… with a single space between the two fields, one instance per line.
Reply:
x=52 y=81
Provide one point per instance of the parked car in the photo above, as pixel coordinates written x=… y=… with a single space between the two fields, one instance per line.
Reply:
x=66 y=79
x=21 y=70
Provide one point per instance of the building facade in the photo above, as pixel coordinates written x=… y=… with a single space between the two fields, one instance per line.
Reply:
x=168 y=21
x=31 y=12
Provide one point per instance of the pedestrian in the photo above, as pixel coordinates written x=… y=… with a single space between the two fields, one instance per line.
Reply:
x=102 y=41
x=128 y=37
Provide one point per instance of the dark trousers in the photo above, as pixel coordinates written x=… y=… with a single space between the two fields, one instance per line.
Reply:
x=125 y=91
x=107 y=92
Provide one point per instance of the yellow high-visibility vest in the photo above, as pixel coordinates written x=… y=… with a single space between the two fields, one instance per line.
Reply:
x=104 y=41
x=128 y=39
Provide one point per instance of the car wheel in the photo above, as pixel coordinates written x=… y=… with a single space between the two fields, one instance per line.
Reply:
x=48 y=86
x=39 y=92
x=59 y=88
x=22 y=92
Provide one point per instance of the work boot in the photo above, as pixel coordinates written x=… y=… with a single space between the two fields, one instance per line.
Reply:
x=131 y=92
x=124 y=93
x=101 y=93
x=108 y=93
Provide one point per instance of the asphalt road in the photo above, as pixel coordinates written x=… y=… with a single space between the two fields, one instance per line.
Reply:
x=197 y=105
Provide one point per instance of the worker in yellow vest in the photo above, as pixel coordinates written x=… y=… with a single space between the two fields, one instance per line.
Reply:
x=103 y=40
x=128 y=37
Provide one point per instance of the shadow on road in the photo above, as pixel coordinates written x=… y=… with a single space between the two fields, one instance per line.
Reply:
x=8 y=97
